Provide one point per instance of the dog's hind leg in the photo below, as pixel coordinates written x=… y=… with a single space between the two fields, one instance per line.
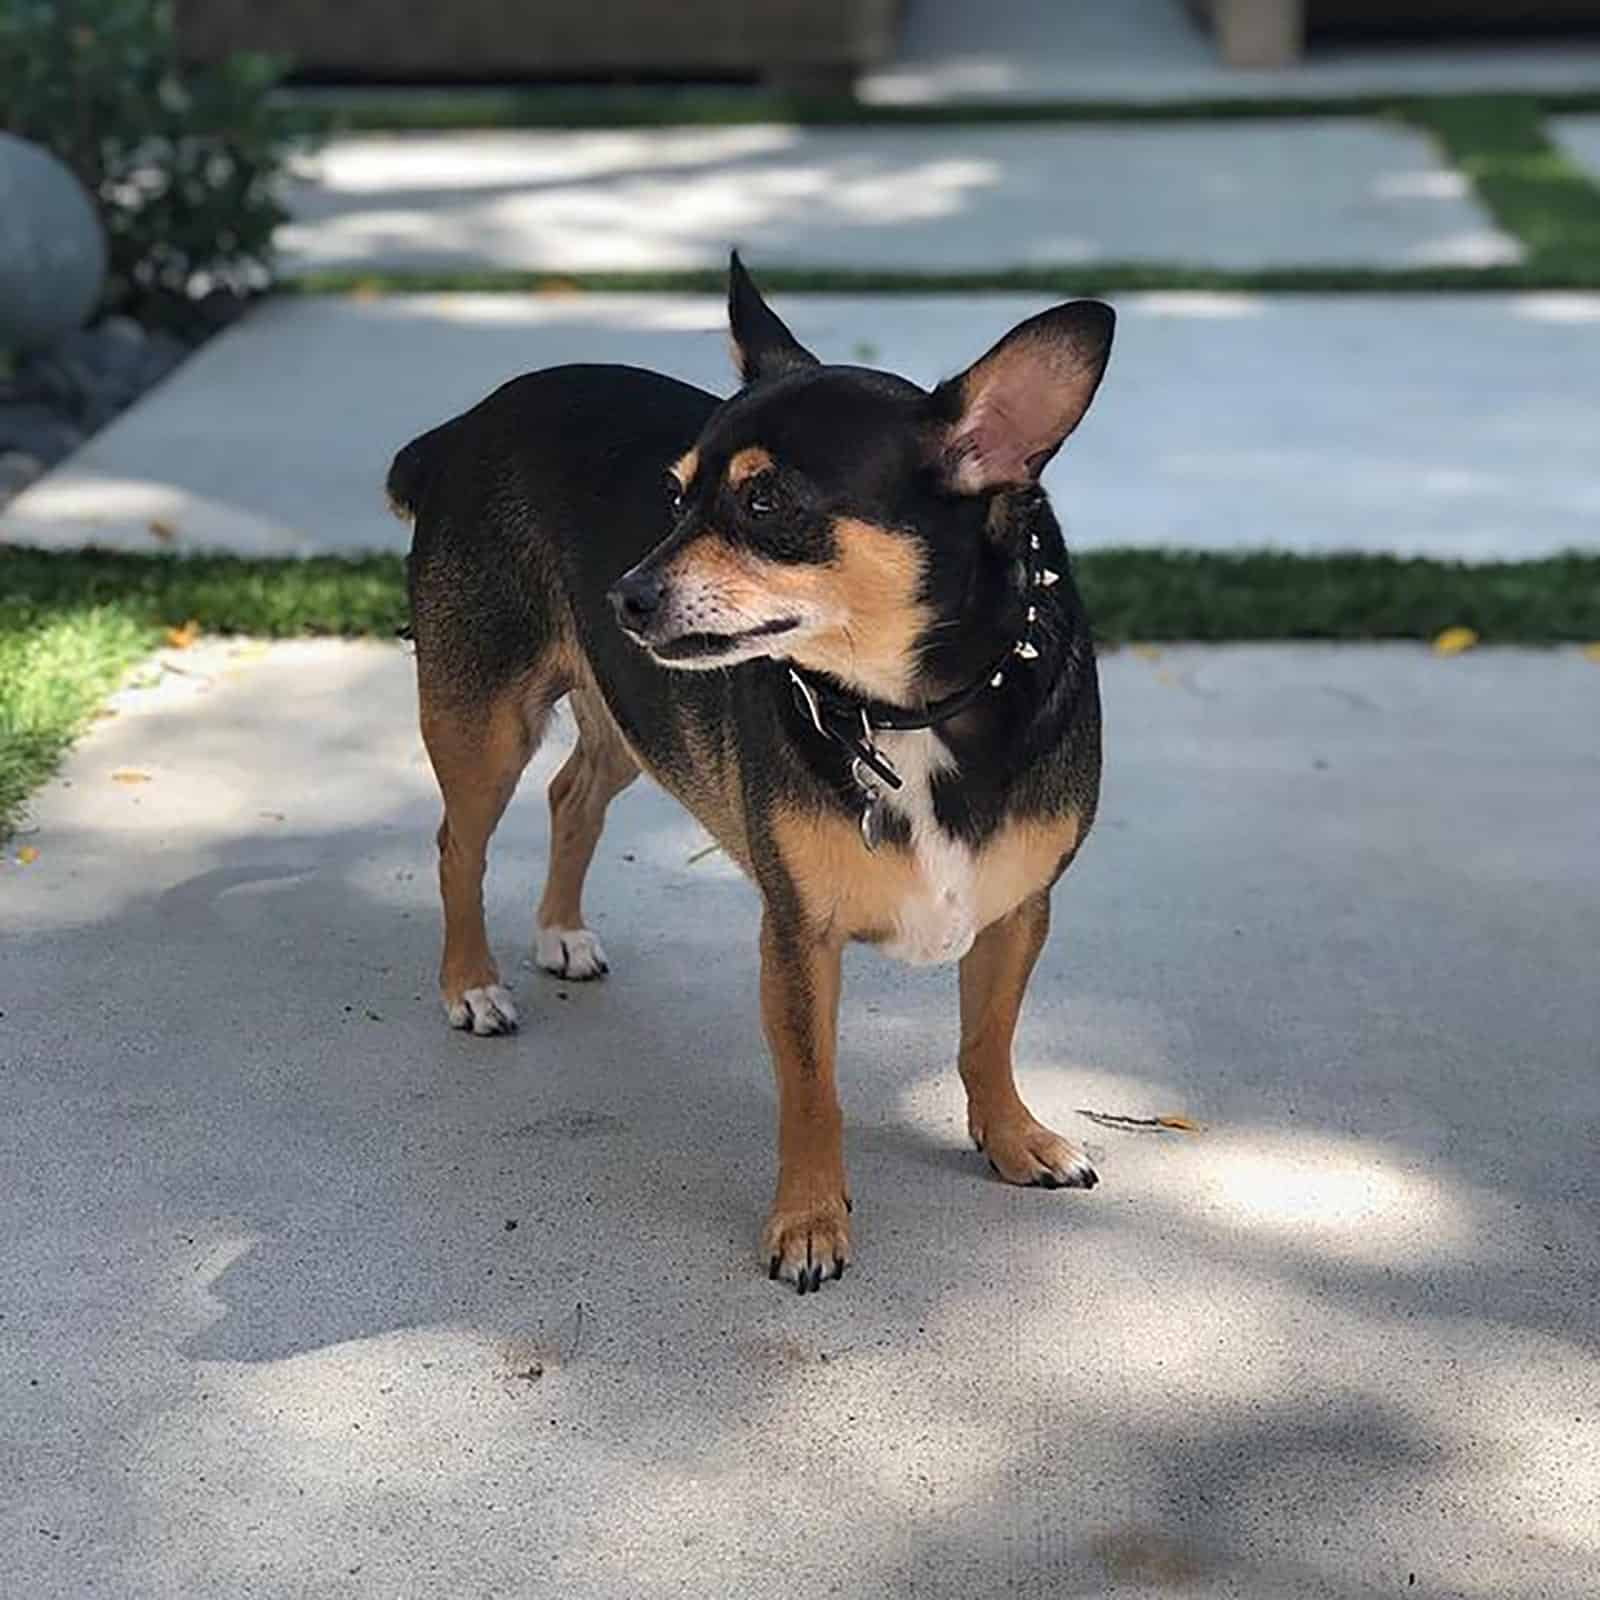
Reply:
x=598 y=769
x=478 y=754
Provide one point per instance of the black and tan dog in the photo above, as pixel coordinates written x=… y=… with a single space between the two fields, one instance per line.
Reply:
x=833 y=616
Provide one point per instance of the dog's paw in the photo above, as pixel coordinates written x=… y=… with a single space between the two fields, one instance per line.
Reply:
x=485 y=1011
x=1025 y=1151
x=570 y=953
x=807 y=1245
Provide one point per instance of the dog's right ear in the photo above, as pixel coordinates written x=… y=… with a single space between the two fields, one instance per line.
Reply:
x=762 y=346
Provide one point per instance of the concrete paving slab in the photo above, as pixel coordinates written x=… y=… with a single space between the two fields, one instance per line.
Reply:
x=1451 y=426
x=1330 y=192
x=1580 y=138
x=1151 y=51
x=268 y=1328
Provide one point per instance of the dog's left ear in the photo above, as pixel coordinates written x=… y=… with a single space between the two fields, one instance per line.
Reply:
x=1001 y=421
x=762 y=346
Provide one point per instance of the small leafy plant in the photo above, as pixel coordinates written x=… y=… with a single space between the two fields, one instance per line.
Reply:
x=185 y=164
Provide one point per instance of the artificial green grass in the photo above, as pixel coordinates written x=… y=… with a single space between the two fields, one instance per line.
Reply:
x=72 y=623
x=1105 y=277
x=473 y=109
x=1526 y=181
x=1218 y=596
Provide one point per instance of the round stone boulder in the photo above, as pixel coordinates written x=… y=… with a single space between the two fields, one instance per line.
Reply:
x=52 y=248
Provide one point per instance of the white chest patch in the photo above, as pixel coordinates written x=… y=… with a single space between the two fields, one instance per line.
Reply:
x=937 y=919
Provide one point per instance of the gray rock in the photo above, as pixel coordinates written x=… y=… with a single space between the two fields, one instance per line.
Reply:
x=122 y=333
x=43 y=379
x=17 y=470
x=52 y=248
x=163 y=352
x=38 y=430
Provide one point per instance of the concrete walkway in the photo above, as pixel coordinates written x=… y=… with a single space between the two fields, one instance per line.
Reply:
x=1331 y=192
x=304 y=1295
x=1580 y=137
x=1451 y=426
x=1152 y=51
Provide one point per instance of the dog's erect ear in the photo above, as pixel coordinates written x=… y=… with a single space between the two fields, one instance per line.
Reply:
x=1007 y=414
x=762 y=346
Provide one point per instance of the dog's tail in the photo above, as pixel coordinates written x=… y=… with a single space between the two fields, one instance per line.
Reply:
x=411 y=471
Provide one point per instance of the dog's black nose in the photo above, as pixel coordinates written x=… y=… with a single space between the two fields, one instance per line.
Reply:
x=636 y=597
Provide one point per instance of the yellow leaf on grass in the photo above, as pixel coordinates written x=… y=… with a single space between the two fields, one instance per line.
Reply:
x=181 y=637
x=1591 y=652
x=164 y=531
x=1454 y=640
x=129 y=775
x=27 y=855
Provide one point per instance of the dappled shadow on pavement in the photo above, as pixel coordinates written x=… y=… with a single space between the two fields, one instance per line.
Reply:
x=331 y=1300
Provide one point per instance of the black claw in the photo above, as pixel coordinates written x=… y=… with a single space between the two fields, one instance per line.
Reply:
x=772 y=1268
x=1090 y=1177
x=993 y=1168
x=838 y=1269
x=816 y=1277
x=849 y=1205
x=801 y=1281
x=1048 y=1180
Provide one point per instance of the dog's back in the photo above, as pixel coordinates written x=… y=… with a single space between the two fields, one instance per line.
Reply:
x=529 y=503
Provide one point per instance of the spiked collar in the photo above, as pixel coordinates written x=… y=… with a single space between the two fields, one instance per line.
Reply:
x=849 y=721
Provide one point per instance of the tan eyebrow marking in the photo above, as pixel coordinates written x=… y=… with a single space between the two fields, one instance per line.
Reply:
x=685 y=467
x=746 y=464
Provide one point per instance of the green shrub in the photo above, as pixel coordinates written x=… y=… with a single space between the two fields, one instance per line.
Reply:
x=185 y=164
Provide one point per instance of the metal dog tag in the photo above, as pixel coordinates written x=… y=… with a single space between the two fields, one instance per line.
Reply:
x=872 y=821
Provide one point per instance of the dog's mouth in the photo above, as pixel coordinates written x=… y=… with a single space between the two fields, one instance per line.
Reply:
x=703 y=648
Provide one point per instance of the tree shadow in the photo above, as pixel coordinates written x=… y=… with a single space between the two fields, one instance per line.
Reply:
x=494 y=1304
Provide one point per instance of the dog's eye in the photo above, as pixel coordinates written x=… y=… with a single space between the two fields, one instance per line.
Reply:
x=675 y=494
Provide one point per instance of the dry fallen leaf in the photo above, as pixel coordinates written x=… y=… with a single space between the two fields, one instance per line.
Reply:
x=1169 y=1121
x=180 y=638
x=164 y=531
x=27 y=855
x=1454 y=640
x=1591 y=652
x=129 y=775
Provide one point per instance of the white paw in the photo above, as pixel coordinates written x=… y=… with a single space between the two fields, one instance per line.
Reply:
x=485 y=1011
x=570 y=953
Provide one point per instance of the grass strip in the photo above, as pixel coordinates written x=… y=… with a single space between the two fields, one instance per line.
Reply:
x=1525 y=180
x=601 y=106
x=72 y=623
x=1113 y=277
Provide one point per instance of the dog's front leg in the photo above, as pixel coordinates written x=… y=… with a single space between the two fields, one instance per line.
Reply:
x=994 y=975
x=807 y=1236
